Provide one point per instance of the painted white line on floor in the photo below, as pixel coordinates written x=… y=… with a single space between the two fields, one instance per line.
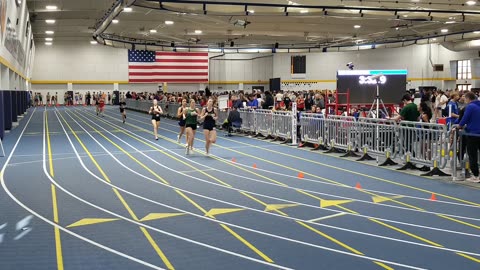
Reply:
x=327 y=217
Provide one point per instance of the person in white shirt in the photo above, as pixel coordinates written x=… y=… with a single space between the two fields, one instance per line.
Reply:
x=440 y=103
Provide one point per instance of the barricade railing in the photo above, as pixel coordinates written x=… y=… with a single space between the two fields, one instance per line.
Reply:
x=312 y=128
x=423 y=143
x=341 y=132
x=248 y=120
x=222 y=117
x=264 y=120
x=377 y=137
x=173 y=110
x=282 y=124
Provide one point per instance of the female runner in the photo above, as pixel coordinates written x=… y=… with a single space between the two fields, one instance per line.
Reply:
x=155 y=111
x=190 y=115
x=210 y=115
x=181 y=121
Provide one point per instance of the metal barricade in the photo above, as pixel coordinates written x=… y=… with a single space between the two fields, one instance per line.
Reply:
x=312 y=128
x=424 y=143
x=222 y=117
x=282 y=124
x=173 y=110
x=341 y=132
x=377 y=136
x=248 y=120
x=264 y=120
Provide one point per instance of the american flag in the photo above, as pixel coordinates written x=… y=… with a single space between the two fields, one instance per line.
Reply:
x=175 y=67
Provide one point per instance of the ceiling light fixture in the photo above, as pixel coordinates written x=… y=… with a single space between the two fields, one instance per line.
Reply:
x=51 y=7
x=198 y=31
x=450 y=22
x=169 y=22
x=48 y=32
x=48 y=39
x=357 y=26
x=304 y=11
x=128 y=9
x=476 y=32
x=444 y=30
x=48 y=43
x=153 y=31
x=396 y=28
x=471 y=3
x=251 y=11
x=115 y=21
x=93 y=42
x=50 y=21
x=434 y=39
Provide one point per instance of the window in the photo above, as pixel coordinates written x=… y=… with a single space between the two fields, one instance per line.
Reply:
x=464 y=70
x=299 y=64
x=464 y=87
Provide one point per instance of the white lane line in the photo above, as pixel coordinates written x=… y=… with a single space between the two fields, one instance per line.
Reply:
x=194 y=171
x=46 y=220
x=338 y=185
x=288 y=201
x=260 y=211
x=314 y=192
x=327 y=217
x=148 y=226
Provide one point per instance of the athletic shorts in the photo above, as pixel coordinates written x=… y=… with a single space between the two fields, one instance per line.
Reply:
x=208 y=126
x=192 y=126
x=156 y=118
x=181 y=123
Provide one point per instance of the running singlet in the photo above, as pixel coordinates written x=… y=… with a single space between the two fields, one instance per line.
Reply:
x=155 y=116
x=209 y=122
x=122 y=106
x=191 y=119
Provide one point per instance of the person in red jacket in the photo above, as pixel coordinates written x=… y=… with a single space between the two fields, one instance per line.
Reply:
x=101 y=106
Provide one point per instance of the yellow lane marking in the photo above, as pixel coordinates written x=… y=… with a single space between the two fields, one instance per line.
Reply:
x=460 y=221
x=58 y=241
x=380 y=199
x=220 y=211
x=327 y=203
x=91 y=221
x=347 y=247
x=157 y=248
x=337 y=168
x=192 y=202
x=183 y=195
x=347 y=210
x=245 y=242
x=274 y=207
x=262 y=203
x=154 y=216
x=384 y=266
x=120 y=197
x=468 y=257
x=406 y=233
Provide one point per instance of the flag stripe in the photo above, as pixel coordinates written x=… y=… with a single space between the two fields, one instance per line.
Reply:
x=182 y=54
x=189 y=60
x=149 y=66
x=168 y=80
x=167 y=67
x=168 y=74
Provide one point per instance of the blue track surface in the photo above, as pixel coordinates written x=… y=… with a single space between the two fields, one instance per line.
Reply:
x=86 y=192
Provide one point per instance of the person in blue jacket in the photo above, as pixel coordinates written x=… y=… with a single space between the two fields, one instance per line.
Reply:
x=471 y=120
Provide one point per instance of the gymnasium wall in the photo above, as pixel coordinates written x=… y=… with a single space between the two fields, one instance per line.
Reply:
x=97 y=68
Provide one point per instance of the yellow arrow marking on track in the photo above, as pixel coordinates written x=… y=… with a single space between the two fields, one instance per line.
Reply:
x=327 y=203
x=274 y=207
x=154 y=216
x=380 y=199
x=219 y=211
x=91 y=221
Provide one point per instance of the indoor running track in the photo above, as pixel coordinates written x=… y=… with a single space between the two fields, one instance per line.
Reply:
x=86 y=192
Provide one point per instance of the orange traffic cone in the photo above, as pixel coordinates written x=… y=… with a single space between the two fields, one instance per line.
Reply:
x=254 y=165
x=358 y=186
x=300 y=175
x=234 y=160
x=433 y=197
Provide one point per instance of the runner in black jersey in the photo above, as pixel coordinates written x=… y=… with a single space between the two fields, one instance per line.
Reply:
x=155 y=111
x=181 y=121
x=123 y=104
x=209 y=116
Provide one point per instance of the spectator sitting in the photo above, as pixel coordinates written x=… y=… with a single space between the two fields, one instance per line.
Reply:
x=233 y=120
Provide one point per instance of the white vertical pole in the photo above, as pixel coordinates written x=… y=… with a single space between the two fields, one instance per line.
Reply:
x=294 y=123
x=3 y=150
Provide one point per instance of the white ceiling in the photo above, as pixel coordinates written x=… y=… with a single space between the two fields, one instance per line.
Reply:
x=333 y=25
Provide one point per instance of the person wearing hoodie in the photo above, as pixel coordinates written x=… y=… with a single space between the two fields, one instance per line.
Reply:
x=472 y=122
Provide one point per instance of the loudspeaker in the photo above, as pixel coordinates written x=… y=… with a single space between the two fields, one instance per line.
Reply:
x=276 y=45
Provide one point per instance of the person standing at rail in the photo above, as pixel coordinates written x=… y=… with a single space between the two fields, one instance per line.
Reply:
x=155 y=111
x=209 y=116
x=181 y=121
x=190 y=115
